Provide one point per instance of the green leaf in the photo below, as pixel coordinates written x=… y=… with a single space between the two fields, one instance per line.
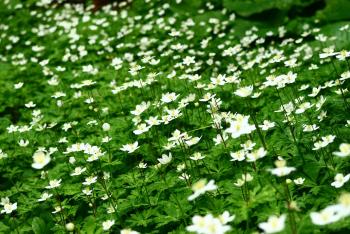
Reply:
x=90 y=226
x=39 y=226
x=3 y=227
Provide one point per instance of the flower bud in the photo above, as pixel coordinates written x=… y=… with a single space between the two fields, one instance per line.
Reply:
x=70 y=227
x=106 y=127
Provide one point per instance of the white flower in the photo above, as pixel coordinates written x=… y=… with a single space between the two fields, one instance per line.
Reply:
x=344 y=150
x=209 y=224
x=218 y=139
x=57 y=209
x=165 y=159
x=188 y=60
x=18 y=85
x=9 y=207
x=87 y=191
x=226 y=217
x=70 y=227
x=90 y=180
x=130 y=147
x=141 y=128
x=106 y=225
x=30 y=104
x=238 y=156
x=255 y=155
x=323 y=142
x=44 y=196
x=244 y=91
x=340 y=180
x=139 y=109
x=106 y=139
x=40 y=159
x=281 y=168
x=239 y=183
x=309 y=128
x=240 y=126
x=200 y=187
x=128 y=231
x=23 y=143
x=169 y=97
x=78 y=171
x=328 y=215
x=54 y=184
x=142 y=165
x=299 y=180
x=193 y=141
x=267 y=125
x=3 y=154
x=248 y=145
x=106 y=127
x=274 y=224
x=245 y=178
x=4 y=200
x=197 y=156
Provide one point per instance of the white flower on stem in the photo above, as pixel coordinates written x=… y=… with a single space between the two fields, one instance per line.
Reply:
x=128 y=231
x=142 y=165
x=226 y=217
x=245 y=178
x=3 y=154
x=303 y=107
x=281 y=168
x=238 y=156
x=130 y=147
x=139 y=109
x=218 y=139
x=106 y=225
x=87 y=191
x=244 y=91
x=44 y=196
x=248 y=145
x=340 y=180
x=90 y=180
x=165 y=159
x=326 y=140
x=344 y=150
x=106 y=127
x=184 y=176
x=18 y=85
x=267 y=125
x=207 y=225
x=40 y=159
x=54 y=184
x=200 y=187
x=8 y=206
x=328 y=215
x=274 y=224
x=30 y=104
x=255 y=155
x=141 y=128
x=193 y=141
x=299 y=181
x=188 y=60
x=106 y=139
x=169 y=97
x=197 y=156
x=240 y=126
x=309 y=128
x=345 y=75
x=23 y=143
x=57 y=209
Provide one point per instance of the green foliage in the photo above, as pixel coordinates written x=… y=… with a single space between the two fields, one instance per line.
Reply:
x=69 y=161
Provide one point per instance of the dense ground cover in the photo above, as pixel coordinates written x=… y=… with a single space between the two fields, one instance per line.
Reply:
x=175 y=117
